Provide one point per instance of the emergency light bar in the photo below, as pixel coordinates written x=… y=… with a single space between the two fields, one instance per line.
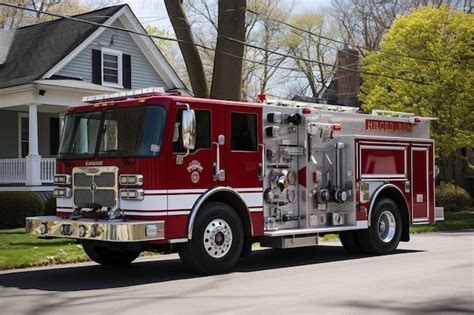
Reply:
x=323 y=107
x=124 y=95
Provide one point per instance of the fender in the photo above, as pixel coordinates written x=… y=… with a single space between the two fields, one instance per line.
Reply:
x=377 y=193
x=204 y=197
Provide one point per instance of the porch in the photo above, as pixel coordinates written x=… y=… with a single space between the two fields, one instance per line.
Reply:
x=30 y=122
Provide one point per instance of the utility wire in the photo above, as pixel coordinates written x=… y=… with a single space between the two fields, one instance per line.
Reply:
x=71 y=18
x=319 y=62
x=269 y=18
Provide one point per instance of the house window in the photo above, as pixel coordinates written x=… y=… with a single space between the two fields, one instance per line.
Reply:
x=243 y=132
x=23 y=135
x=112 y=67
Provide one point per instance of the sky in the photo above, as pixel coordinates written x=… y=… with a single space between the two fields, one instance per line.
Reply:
x=153 y=12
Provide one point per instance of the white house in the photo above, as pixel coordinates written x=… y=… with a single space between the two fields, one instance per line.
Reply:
x=46 y=67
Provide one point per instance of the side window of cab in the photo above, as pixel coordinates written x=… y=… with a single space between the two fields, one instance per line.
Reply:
x=203 y=131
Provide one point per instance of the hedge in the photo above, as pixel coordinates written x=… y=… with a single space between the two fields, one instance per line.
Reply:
x=452 y=198
x=16 y=206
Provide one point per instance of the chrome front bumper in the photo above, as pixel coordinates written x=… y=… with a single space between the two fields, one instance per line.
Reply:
x=109 y=231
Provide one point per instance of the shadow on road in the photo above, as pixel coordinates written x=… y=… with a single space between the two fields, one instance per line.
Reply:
x=97 y=277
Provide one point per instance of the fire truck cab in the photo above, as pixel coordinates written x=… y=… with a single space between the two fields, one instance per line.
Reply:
x=149 y=170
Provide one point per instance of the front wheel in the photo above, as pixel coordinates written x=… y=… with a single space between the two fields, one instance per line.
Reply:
x=385 y=229
x=109 y=257
x=216 y=242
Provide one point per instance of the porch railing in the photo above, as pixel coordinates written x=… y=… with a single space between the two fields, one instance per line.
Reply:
x=47 y=170
x=13 y=171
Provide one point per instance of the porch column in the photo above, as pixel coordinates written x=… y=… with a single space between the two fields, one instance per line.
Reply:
x=33 y=159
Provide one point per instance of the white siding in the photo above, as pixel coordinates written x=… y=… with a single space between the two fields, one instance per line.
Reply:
x=143 y=74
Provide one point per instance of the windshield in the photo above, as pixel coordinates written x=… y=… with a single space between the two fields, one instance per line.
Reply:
x=122 y=132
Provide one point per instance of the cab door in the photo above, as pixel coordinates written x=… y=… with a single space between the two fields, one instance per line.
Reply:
x=244 y=149
x=190 y=176
x=194 y=172
x=244 y=157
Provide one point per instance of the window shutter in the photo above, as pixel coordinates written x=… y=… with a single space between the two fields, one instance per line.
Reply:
x=127 y=71
x=96 y=66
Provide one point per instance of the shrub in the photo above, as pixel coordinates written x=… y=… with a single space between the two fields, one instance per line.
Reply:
x=452 y=198
x=16 y=206
x=50 y=206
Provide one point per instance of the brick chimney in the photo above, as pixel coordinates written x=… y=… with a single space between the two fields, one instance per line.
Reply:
x=344 y=88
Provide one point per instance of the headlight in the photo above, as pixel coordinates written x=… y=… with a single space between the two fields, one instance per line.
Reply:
x=131 y=180
x=62 y=192
x=132 y=194
x=62 y=179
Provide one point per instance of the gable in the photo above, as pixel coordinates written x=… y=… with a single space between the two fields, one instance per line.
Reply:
x=143 y=73
x=37 y=48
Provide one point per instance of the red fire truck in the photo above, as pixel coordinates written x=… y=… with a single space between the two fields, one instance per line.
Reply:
x=148 y=170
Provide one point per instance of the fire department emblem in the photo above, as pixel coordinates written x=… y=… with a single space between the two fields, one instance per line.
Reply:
x=195 y=169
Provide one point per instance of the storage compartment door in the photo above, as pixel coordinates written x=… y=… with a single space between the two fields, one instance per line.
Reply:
x=420 y=193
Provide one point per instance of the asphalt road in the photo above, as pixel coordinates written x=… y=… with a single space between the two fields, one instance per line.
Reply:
x=432 y=273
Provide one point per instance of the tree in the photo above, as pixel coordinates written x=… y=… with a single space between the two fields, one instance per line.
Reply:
x=364 y=22
x=190 y=53
x=310 y=47
x=441 y=39
x=227 y=74
x=259 y=68
x=227 y=70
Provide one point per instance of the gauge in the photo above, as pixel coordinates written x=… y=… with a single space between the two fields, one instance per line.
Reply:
x=291 y=178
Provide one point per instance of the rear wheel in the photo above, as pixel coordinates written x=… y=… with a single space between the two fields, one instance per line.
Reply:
x=385 y=229
x=216 y=242
x=109 y=257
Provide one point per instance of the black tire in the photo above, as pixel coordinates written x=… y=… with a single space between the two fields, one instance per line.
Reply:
x=203 y=255
x=350 y=242
x=109 y=257
x=375 y=241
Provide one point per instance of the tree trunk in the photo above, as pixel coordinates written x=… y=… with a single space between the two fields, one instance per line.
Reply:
x=190 y=53
x=227 y=75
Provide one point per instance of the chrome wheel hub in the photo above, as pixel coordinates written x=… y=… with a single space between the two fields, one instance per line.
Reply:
x=386 y=226
x=217 y=238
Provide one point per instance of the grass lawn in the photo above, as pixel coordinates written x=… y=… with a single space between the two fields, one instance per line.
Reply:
x=19 y=250
x=452 y=221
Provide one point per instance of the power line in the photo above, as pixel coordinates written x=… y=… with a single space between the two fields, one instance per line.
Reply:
x=319 y=62
x=208 y=48
x=333 y=39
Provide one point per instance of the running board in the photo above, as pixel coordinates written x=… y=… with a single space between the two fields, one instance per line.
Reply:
x=289 y=241
x=288 y=232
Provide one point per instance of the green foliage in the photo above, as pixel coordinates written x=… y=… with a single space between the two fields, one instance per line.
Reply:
x=16 y=206
x=452 y=197
x=50 y=206
x=442 y=39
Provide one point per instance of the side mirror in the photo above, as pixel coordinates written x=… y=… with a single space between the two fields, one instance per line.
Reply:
x=188 y=130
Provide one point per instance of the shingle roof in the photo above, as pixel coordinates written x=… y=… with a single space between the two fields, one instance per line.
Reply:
x=37 y=48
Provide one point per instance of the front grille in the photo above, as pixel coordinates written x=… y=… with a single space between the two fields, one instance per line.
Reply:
x=95 y=187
